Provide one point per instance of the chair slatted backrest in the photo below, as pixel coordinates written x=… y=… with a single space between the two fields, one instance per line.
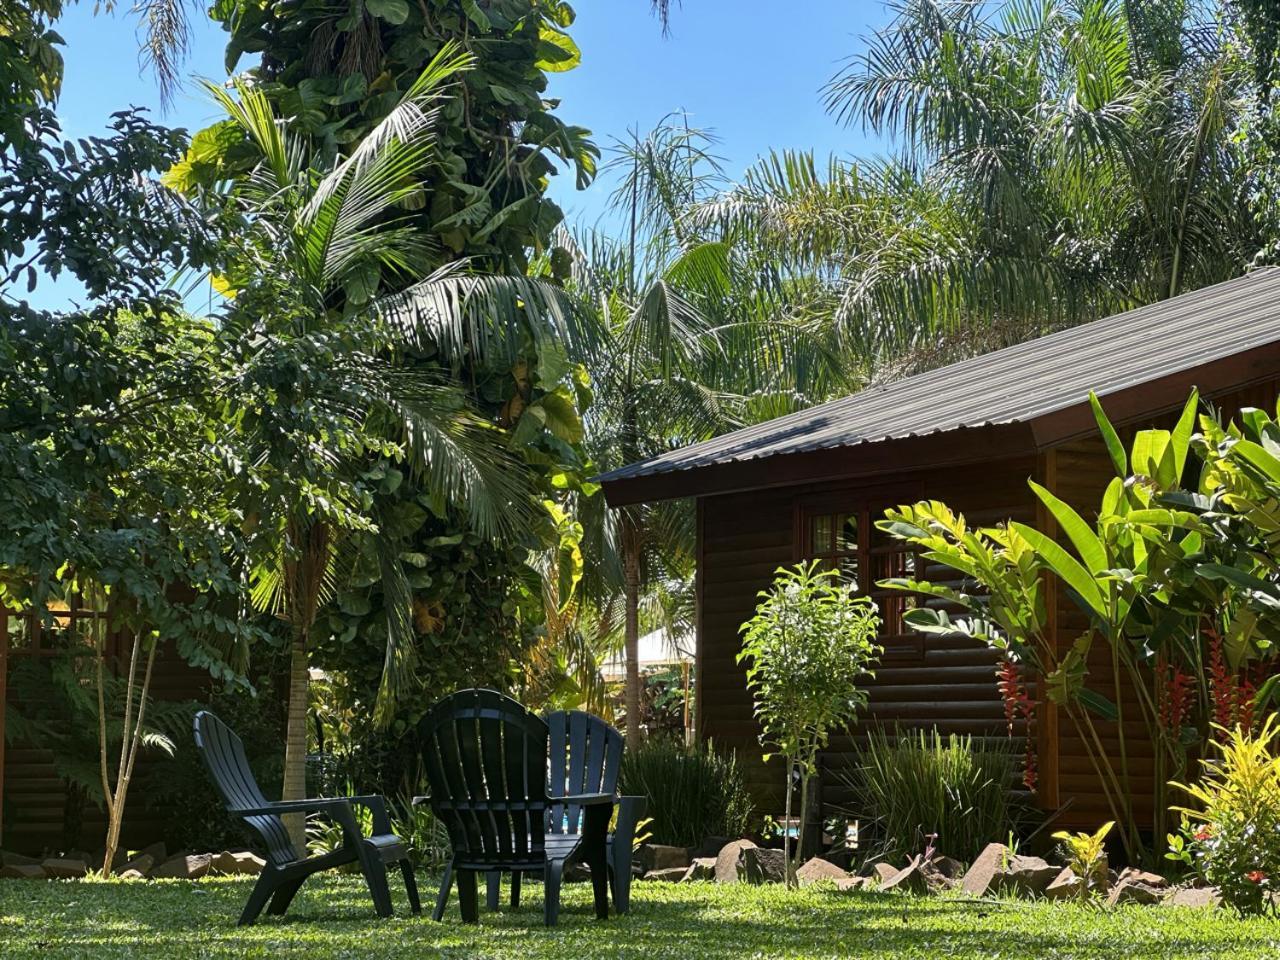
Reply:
x=224 y=758
x=486 y=762
x=586 y=757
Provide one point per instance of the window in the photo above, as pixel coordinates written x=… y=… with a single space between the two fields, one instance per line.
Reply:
x=841 y=532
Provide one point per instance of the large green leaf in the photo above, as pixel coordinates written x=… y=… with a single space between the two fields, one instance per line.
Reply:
x=1109 y=436
x=1067 y=567
x=1091 y=549
x=394 y=12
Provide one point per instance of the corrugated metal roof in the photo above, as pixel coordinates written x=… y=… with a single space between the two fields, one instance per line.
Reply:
x=1015 y=384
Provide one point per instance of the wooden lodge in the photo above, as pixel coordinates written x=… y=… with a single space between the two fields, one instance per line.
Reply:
x=971 y=434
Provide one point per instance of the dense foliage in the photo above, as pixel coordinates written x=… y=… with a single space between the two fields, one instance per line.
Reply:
x=920 y=791
x=692 y=793
x=1231 y=834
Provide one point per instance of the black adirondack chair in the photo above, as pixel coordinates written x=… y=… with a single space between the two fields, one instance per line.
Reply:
x=486 y=761
x=585 y=756
x=224 y=757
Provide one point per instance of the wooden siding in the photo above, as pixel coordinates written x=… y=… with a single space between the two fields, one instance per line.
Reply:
x=34 y=799
x=746 y=537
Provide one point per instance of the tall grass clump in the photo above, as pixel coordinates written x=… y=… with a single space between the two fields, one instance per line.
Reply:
x=693 y=792
x=920 y=789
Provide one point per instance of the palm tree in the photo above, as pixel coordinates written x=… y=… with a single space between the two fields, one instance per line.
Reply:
x=1057 y=161
x=320 y=389
x=695 y=343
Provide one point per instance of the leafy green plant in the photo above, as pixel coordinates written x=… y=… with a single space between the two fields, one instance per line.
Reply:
x=911 y=788
x=808 y=647
x=1086 y=855
x=692 y=792
x=1231 y=835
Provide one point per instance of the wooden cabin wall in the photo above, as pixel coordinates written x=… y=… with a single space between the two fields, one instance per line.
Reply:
x=950 y=684
x=34 y=800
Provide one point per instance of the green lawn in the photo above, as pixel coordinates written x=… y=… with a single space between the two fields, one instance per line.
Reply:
x=176 y=919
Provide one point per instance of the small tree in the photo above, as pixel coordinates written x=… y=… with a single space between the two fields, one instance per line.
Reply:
x=810 y=643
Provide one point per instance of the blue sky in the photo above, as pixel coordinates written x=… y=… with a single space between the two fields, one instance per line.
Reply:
x=749 y=70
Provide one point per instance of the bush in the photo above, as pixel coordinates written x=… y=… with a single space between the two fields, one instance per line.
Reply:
x=913 y=786
x=1232 y=837
x=693 y=792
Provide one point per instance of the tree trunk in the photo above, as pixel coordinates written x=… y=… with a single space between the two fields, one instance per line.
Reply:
x=793 y=863
x=631 y=627
x=786 y=827
x=131 y=744
x=295 y=743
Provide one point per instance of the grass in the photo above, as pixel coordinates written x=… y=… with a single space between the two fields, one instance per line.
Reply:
x=331 y=918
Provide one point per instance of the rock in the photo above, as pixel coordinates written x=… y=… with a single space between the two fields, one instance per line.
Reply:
x=577 y=873
x=949 y=867
x=985 y=870
x=702 y=868
x=65 y=869
x=8 y=859
x=727 y=860
x=241 y=863
x=156 y=851
x=190 y=867
x=763 y=865
x=22 y=871
x=818 y=870
x=709 y=847
x=999 y=871
x=910 y=878
x=1142 y=876
x=882 y=872
x=1027 y=876
x=669 y=874
x=849 y=884
x=138 y=868
x=1065 y=886
x=842 y=857
x=1133 y=890
x=1200 y=898
x=657 y=856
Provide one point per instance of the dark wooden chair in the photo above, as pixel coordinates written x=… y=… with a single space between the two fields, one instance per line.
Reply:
x=585 y=756
x=285 y=872
x=486 y=762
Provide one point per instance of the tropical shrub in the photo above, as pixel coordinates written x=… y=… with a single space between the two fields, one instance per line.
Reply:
x=810 y=644
x=692 y=792
x=1086 y=855
x=1231 y=836
x=920 y=789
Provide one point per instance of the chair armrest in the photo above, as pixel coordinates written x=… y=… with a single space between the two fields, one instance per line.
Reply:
x=586 y=799
x=377 y=806
x=318 y=804
x=419 y=801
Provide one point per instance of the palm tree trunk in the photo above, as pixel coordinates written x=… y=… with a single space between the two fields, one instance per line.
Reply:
x=295 y=742
x=303 y=576
x=631 y=625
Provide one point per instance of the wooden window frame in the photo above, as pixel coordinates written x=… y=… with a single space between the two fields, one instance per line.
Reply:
x=869 y=504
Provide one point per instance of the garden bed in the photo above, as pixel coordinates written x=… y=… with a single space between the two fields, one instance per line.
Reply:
x=179 y=919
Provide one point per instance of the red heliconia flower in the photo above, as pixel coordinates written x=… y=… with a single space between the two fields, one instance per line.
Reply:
x=1222 y=685
x=1204 y=833
x=1255 y=876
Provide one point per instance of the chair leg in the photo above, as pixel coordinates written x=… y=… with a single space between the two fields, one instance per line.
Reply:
x=595 y=851
x=552 y=876
x=411 y=886
x=493 y=889
x=442 y=898
x=267 y=884
x=375 y=877
x=284 y=895
x=620 y=882
x=515 y=890
x=468 y=903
